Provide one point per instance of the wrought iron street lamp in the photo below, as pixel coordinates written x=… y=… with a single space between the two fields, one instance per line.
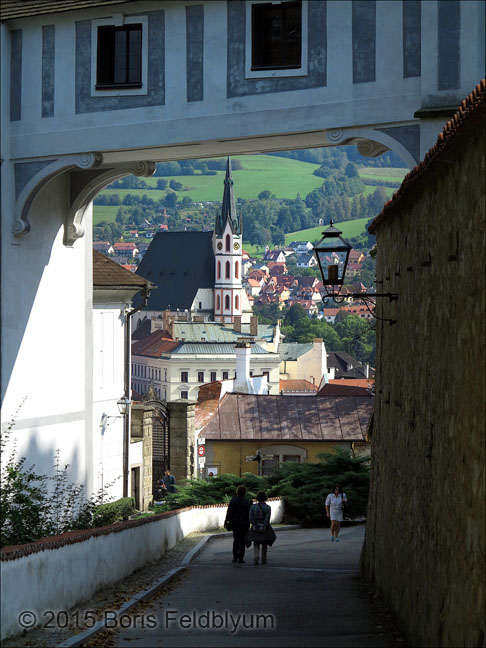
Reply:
x=332 y=254
x=123 y=405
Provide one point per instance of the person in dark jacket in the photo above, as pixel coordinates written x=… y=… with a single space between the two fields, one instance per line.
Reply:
x=238 y=517
x=261 y=533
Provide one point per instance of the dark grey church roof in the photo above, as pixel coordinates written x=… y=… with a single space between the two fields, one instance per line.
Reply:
x=179 y=263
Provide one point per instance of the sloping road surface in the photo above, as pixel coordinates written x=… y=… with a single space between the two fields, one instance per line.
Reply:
x=309 y=594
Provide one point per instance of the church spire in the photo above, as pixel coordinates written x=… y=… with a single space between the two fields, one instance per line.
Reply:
x=228 y=209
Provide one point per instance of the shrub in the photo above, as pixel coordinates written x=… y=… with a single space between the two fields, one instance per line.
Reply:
x=34 y=506
x=113 y=511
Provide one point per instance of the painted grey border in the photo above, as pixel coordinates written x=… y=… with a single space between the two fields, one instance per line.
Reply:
x=364 y=41
x=448 y=45
x=195 y=52
x=24 y=171
x=155 y=96
x=238 y=86
x=15 y=75
x=412 y=38
x=48 y=57
x=408 y=136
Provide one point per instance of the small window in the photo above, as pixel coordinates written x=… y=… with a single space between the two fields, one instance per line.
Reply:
x=227 y=302
x=237 y=302
x=291 y=458
x=200 y=305
x=237 y=270
x=213 y=376
x=218 y=303
x=184 y=394
x=184 y=376
x=228 y=243
x=219 y=270
x=228 y=270
x=200 y=376
x=225 y=375
x=276 y=35
x=251 y=374
x=119 y=57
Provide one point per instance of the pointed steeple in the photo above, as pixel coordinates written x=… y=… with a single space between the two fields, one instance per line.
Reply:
x=228 y=208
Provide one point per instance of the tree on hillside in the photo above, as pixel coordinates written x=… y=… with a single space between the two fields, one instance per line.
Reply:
x=351 y=170
x=171 y=199
x=294 y=314
x=265 y=195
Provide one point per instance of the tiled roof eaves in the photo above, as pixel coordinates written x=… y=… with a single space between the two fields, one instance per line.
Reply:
x=470 y=114
x=27 y=8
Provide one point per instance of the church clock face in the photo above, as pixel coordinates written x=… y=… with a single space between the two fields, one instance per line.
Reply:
x=220 y=246
x=236 y=246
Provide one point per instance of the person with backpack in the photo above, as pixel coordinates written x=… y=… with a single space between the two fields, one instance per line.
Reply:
x=261 y=533
x=335 y=503
x=237 y=520
x=160 y=490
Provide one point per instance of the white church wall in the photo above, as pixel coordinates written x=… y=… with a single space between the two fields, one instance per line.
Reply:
x=46 y=336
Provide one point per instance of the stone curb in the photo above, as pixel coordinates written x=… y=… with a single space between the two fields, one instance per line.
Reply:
x=79 y=638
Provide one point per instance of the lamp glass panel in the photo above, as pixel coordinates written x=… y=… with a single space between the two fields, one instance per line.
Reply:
x=333 y=264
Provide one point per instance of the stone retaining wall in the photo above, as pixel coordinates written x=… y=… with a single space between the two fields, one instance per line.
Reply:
x=425 y=535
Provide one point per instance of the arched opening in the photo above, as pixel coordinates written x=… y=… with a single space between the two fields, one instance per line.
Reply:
x=227 y=302
x=237 y=270
x=218 y=303
x=237 y=303
x=228 y=270
x=228 y=243
x=219 y=270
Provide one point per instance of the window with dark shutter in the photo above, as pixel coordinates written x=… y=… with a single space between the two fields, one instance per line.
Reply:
x=119 y=57
x=276 y=36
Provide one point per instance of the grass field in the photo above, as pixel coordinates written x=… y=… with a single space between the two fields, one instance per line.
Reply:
x=349 y=229
x=282 y=176
x=105 y=213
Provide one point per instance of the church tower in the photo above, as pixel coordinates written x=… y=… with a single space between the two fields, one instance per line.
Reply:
x=227 y=245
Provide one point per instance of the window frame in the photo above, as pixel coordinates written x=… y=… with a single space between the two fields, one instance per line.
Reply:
x=186 y=374
x=275 y=72
x=119 y=90
x=200 y=376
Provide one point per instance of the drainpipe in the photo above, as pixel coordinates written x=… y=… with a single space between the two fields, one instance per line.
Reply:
x=126 y=384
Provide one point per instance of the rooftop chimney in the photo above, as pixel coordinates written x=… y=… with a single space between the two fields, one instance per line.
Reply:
x=254 y=325
x=243 y=354
x=237 y=323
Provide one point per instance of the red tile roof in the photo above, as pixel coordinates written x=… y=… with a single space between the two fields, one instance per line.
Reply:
x=154 y=345
x=353 y=382
x=469 y=118
x=289 y=386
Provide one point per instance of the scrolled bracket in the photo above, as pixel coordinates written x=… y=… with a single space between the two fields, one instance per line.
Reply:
x=36 y=174
x=84 y=186
x=369 y=148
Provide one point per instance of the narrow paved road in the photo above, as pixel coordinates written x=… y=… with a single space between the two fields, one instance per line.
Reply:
x=309 y=594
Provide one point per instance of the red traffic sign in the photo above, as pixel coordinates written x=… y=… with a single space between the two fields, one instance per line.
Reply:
x=201 y=450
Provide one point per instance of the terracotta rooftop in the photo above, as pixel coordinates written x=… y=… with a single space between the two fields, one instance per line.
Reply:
x=154 y=345
x=469 y=117
x=353 y=382
x=289 y=386
x=247 y=416
x=108 y=273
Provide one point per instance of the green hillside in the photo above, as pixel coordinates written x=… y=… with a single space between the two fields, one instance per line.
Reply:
x=284 y=177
